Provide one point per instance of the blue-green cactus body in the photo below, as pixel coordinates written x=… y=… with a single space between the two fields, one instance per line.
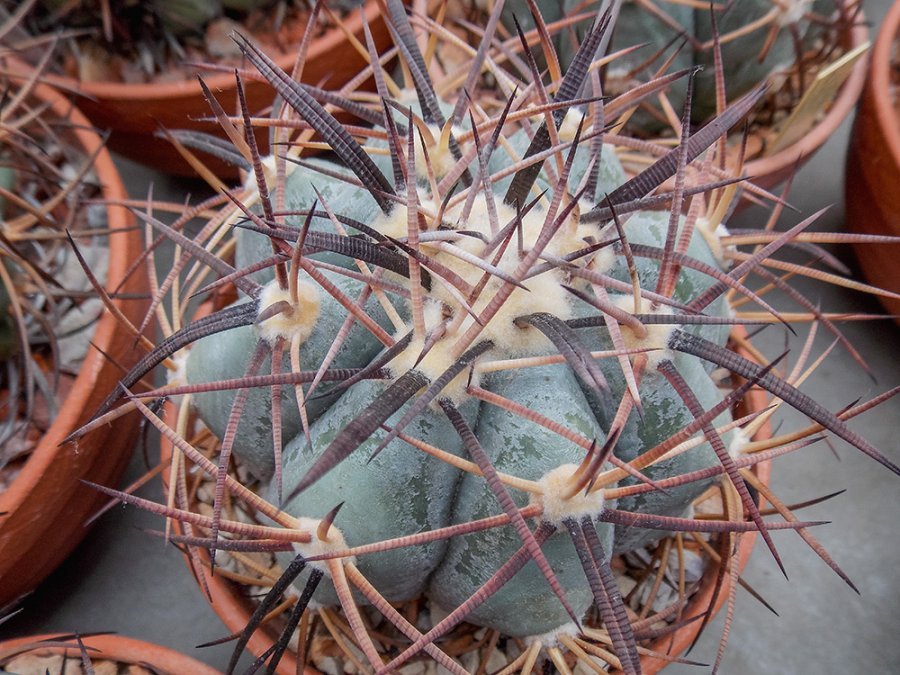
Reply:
x=610 y=173
x=226 y=355
x=664 y=414
x=637 y=26
x=649 y=228
x=405 y=491
x=528 y=450
x=402 y=491
x=299 y=195
x=663 y=411
x=743 y=67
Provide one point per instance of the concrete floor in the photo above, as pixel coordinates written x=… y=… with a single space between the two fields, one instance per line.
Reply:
x=123 y=580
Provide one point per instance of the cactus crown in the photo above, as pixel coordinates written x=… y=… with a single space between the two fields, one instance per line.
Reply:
x=468 y=345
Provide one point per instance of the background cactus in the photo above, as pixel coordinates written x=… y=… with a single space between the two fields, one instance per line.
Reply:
x=438 y=422
x=760 y=42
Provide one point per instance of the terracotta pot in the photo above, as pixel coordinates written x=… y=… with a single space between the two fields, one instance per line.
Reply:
x=683 y=638
x=872 y=174
x=117 y=648
x=134 y=112
x=234 y=608
x=46 y=506
x=770 y=171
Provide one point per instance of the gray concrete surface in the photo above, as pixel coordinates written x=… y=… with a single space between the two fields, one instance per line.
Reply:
x=123 y=580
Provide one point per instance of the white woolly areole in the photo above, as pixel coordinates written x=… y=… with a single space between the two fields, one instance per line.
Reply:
x=179 y=374
x=544 y=294
x=551 y=638
x=570 y=124
x=294 y=592
x=440 y=155
x=407 y=96
x=335 y=543
x=657 y=338
x=299 y=322
x=603 y=260
x=721 y=251
x=713 y=239
x=438 y=359
x=394 y=223
x=791 y=11
x=739 y=440
x=270 y=171
x=554 y=485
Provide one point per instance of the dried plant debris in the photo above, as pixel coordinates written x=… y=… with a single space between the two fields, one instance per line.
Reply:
x=473 y=374
x=740 y=45
x=47 y=306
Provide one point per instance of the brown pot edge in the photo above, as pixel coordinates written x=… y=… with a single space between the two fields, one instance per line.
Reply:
x=768 y=172
x=120 y=91
x=878 y=83
x=870 y=183
x=43 y=472
x=125 y=649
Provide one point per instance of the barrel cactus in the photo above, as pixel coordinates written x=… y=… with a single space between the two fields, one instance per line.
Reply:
x=464 y=346
x=755 y=42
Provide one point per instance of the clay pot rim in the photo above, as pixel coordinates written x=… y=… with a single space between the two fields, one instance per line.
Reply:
x=783 y=161
x=232 y=609
x=679 y=641
x=107 y=329
x=124 y=649
x=188 y=88
x=879 y=87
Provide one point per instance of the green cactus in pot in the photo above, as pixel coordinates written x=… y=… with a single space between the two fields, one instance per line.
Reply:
x=467 y=360
x=739 y=45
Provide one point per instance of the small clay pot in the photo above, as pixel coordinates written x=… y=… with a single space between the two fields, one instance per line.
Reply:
x=115 y=648
x=872 y=174
x=679 y=641
x=134 y=112
x=45 y=508
x=770 y=171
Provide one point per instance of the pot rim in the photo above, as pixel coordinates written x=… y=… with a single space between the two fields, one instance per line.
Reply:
x=124 y=649
x=849 y=93
x=46 y=505
x=188 y=88
x=107 y=330
x=878 y=85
